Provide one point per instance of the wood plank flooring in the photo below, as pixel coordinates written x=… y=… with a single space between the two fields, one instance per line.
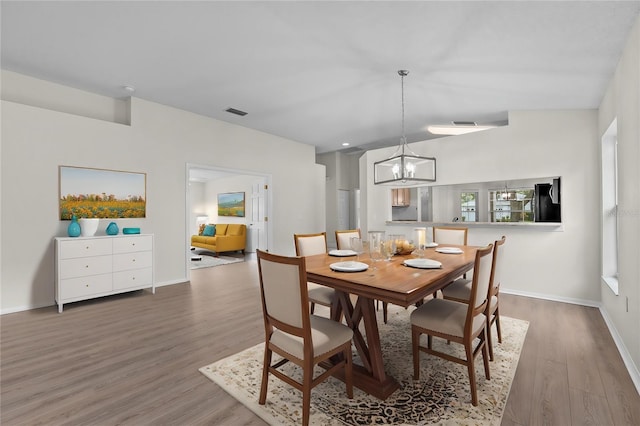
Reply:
x=133 y=359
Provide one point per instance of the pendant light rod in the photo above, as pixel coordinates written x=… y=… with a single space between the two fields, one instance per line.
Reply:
x=402 y=169
x=403 y=74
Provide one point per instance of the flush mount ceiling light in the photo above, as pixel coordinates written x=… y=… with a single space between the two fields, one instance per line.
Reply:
x=402 y=169
x=458 y=128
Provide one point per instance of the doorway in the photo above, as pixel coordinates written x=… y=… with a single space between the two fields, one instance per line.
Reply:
x=203 y=182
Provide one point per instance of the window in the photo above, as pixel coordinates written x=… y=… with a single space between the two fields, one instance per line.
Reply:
x=511 y=205
x=469 y=206
x=610 y=207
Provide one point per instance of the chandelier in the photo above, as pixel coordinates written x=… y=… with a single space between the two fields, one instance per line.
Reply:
x=404 y=167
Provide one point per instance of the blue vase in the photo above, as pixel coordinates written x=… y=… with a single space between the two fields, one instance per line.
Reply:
x=74 y=227
x=112 y=229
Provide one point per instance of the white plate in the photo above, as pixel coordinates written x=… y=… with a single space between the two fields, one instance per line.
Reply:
x=342 y=253
x=449 y=250
x=423 y=263
x=430 y=245
x=349 y=266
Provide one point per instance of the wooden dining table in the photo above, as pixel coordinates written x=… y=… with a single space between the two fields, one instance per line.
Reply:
x=388 y=281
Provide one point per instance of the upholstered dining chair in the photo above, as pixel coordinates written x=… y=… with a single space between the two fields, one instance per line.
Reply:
x=450 y=235
x=343 y=238
x=296 y=335
x=457 y=322
x=309 y=245
x=460 y=290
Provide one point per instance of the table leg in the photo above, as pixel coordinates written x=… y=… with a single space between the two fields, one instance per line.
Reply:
x=370 y=377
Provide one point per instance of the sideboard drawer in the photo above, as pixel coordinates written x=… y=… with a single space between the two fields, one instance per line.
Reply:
x=85 y=266
x=127 y=261
x=80 y=287
x=85 y=247
x=132 y=244
x=131 y=279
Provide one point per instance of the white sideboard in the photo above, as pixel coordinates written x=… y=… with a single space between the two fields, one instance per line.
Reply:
x=89 y=267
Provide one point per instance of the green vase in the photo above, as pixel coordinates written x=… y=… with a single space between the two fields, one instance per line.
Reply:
x=74 y=227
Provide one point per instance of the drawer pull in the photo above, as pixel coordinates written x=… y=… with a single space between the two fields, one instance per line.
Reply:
x=86 y=266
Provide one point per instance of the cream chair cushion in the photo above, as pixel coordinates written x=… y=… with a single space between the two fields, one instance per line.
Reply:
x=309 y=246
x=343 y=239
x=326 y=335
x=461 y=289
x=450 y=236
x=320 y=294
x=445 y=316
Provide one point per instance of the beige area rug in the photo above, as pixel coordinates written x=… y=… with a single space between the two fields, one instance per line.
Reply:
x=441 y=396
x=209 y=260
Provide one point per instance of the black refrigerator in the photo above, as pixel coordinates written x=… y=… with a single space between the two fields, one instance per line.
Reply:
x=546 y=202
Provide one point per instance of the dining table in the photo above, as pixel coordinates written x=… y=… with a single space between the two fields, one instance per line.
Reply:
x=388 y=281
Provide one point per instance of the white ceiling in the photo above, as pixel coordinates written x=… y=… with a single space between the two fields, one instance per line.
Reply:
x=324 y=73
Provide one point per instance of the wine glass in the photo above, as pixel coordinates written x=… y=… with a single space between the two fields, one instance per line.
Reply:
x=357 y=246
x=376 y=240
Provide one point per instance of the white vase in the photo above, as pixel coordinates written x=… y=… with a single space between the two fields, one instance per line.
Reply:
x=88 y=226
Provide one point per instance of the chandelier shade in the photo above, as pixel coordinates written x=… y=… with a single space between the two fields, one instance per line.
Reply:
x=404 y=169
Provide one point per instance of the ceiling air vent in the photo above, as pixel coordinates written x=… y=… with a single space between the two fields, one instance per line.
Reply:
x=236 y=112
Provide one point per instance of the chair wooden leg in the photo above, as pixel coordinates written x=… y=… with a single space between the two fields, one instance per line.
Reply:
x=307 y=377
x=384 y=311
x=497 y=321
x=313 y=307
x=415 y=343
x=348 y=371
x=265 y=375
x=468 y=347
x=490 y=341
x=485 y=358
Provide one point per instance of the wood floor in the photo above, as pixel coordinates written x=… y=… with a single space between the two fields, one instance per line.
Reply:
x=133 y=359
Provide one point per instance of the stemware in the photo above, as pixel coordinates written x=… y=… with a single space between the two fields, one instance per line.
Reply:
x=376 y=244
x=357 y=246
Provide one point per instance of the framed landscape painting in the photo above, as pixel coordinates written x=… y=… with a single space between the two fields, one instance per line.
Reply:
x=87 y=192
x=231 y=204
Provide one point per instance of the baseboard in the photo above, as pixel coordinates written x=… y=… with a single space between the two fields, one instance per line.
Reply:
x=172 y=282
x=624 y=353
x=553 y=298
x=622 y=349
x=15 y=309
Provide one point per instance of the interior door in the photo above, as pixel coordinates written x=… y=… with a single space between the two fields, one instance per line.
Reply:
x=258 y=236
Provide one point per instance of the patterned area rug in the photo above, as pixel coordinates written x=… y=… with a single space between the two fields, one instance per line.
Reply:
x=441 y=396
x=209 y=260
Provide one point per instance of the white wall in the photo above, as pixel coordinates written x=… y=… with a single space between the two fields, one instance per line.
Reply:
x=230 y=184
x=341 y=174
x=560 y=263
x=160 y=142
x=622 y=101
